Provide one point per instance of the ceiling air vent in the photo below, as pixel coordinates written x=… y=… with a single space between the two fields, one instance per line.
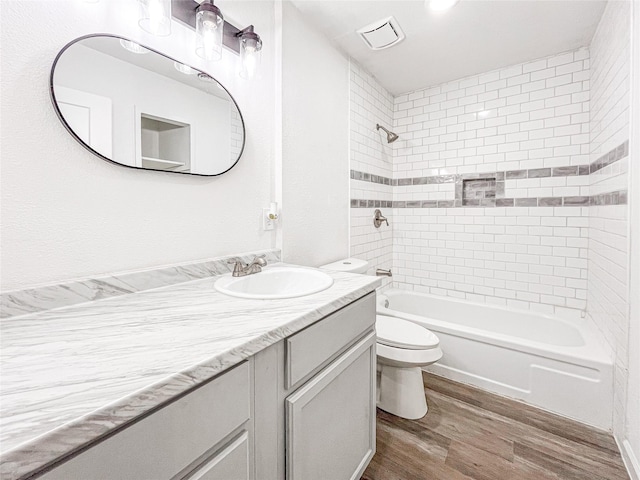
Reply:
x=382 y=34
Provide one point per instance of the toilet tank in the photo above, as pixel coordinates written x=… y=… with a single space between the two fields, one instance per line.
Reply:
x=351 y=265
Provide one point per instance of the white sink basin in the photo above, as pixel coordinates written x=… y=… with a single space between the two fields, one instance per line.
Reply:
x=276 y=282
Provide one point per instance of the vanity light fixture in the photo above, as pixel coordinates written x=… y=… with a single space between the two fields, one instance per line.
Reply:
x=133 y=47
x=250 y=52
x=213 y=32
x=182 y=68
x=209 y=30
x=208 y=78
x=155 y=17
x=441 y=5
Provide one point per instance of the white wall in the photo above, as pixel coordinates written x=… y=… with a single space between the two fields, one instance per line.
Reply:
x=315 y=166
x=608 y=303
x=68 y=214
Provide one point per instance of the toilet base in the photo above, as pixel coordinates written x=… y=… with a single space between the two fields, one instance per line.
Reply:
x=401 y=392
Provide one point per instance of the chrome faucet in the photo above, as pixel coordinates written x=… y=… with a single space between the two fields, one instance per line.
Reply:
x=240 y=269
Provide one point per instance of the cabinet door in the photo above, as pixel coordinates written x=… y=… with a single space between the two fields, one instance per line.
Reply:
x=331 y=430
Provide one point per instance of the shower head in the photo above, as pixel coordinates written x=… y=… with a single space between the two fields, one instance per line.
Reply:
x=391 y=137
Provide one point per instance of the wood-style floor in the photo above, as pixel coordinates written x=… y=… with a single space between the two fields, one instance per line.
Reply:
x=472 y=434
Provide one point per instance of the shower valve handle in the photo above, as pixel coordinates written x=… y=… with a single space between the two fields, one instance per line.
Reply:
x=378 y=218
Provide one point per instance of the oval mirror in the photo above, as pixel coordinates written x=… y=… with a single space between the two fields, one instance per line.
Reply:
x=133 y=106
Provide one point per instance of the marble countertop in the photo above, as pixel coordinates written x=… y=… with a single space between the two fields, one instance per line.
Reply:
x=73 y=374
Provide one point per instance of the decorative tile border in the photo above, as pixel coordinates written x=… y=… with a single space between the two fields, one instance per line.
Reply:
x=20 y=302
x=459 y=180
x=618 y=153
x=610 y=198
x=569 y=171
x=368 y=177
x=608 y=158
x=371 y=203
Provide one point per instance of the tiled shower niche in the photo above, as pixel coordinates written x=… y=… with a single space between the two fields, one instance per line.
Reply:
x=479 y=192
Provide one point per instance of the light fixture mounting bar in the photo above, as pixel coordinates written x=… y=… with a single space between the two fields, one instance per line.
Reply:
x=184 y=11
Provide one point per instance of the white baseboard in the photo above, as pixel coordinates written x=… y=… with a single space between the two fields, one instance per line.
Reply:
x=630 y=459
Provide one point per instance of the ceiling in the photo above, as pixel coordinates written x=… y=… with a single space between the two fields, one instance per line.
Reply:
x=475 y=36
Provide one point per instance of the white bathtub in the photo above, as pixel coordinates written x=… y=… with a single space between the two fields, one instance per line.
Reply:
x=544 y=361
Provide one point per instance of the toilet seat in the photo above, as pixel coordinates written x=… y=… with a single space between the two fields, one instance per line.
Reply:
x=400 y=333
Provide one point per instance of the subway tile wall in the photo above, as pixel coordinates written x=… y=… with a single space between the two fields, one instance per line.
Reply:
x=370 y=104
x=607 y=299
x=525 y=122
x=530 y=126
x=237 y=135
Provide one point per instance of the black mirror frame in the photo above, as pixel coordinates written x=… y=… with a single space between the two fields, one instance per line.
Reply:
x=88 y=147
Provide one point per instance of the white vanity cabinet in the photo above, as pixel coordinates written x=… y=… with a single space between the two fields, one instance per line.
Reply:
x=301 y=409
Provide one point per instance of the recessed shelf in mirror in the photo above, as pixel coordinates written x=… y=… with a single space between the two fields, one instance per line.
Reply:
x=165 y=144
x=140 y=111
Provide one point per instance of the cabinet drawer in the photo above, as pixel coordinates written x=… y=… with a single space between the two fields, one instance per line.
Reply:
x=311 y=348
x=167 y=441
x=232 y=463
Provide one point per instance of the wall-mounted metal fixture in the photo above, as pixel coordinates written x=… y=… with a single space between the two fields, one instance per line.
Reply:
x=378 y=218
x=391 y=137
x=213 y=32
x=381 y=272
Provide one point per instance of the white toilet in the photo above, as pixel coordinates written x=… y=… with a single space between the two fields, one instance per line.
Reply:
x=403 y=347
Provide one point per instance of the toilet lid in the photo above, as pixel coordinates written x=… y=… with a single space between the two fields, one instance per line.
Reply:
x=396 y=332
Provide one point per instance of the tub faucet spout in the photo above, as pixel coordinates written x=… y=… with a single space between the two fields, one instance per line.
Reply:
x=381 y=272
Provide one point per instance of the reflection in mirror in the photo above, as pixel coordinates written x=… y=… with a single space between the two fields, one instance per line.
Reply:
x=136 y=107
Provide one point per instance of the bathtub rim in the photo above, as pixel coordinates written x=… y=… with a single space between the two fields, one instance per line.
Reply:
x=591 y=354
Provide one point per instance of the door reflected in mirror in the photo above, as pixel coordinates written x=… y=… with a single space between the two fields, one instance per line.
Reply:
x=136 y=107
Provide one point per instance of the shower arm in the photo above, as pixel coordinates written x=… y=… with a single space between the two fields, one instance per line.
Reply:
x=391 y=137
x=378 y=127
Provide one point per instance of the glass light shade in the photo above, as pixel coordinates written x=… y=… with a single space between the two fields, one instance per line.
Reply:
x=250 y=55
x=155 y=17
x=209 y=29
x=182 y=68
x=133 y=47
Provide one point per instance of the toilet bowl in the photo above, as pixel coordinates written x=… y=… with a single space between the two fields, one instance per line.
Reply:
x=403 y=348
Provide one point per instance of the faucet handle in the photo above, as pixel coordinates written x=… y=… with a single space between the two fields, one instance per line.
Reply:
x=378 y=218
x=260 y=260
x=238 y=265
